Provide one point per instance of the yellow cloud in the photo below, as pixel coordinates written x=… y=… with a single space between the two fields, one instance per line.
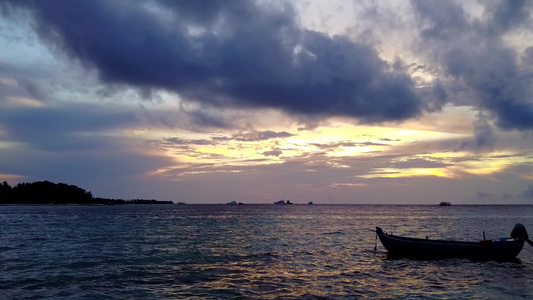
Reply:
x=411 y=172
x=331 y=144
x=488 y=165
x=527 y=176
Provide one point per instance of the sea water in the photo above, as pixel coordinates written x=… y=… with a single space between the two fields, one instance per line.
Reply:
x=251 y=252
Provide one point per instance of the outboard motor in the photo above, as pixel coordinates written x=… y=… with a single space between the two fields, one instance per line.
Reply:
x=519 y=232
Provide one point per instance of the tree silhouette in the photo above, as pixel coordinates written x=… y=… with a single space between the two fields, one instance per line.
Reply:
x=5 y=192
x=46 y=192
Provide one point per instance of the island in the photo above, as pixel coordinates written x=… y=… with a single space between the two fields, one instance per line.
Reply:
x=46 y=192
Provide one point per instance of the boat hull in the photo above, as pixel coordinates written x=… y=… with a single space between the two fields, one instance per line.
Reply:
x=398 y=246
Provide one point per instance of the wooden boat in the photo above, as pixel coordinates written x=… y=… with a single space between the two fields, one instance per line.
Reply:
x=503 y=249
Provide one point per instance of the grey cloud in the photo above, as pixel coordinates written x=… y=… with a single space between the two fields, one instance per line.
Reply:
x=436 y=97
x=417 y=163
x=21 y=86
x=483 y=132
x=273 y=152
x=333 y=145
x=204 y=119
x=507 y=196
x=528 y=192
x=228 y=54
x=261 y=136
x=507 y=15
x=97 y=171
x=194 y=120
x=441 y=19
x=66 y=128
x=483 y=195
x=268 y=134
x=475 y=55
x=178 y=141
x=484 y=138
x=527 y=58
x=254 y=136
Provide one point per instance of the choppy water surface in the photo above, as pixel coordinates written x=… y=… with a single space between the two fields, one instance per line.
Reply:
x=250 y=252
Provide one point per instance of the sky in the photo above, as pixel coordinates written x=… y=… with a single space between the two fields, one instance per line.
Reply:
x=210 y=101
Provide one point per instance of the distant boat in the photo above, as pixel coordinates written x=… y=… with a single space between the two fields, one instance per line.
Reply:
x=240 y=203
x=445 y=204
x=502 y=249
x=232 y=203
x=282 y=202
x=310 y=203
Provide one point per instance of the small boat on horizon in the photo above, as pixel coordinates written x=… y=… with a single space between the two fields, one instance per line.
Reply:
x=443 y=203
x=310 y=203
x=501 y=249
x=282 y=202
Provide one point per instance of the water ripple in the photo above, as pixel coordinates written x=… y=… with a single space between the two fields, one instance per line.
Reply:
x=250 y=252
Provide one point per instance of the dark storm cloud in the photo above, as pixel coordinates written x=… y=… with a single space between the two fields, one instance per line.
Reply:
x=474 y=53
x=227 y=54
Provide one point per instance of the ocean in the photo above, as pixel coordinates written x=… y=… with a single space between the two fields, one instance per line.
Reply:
x=252 y=252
